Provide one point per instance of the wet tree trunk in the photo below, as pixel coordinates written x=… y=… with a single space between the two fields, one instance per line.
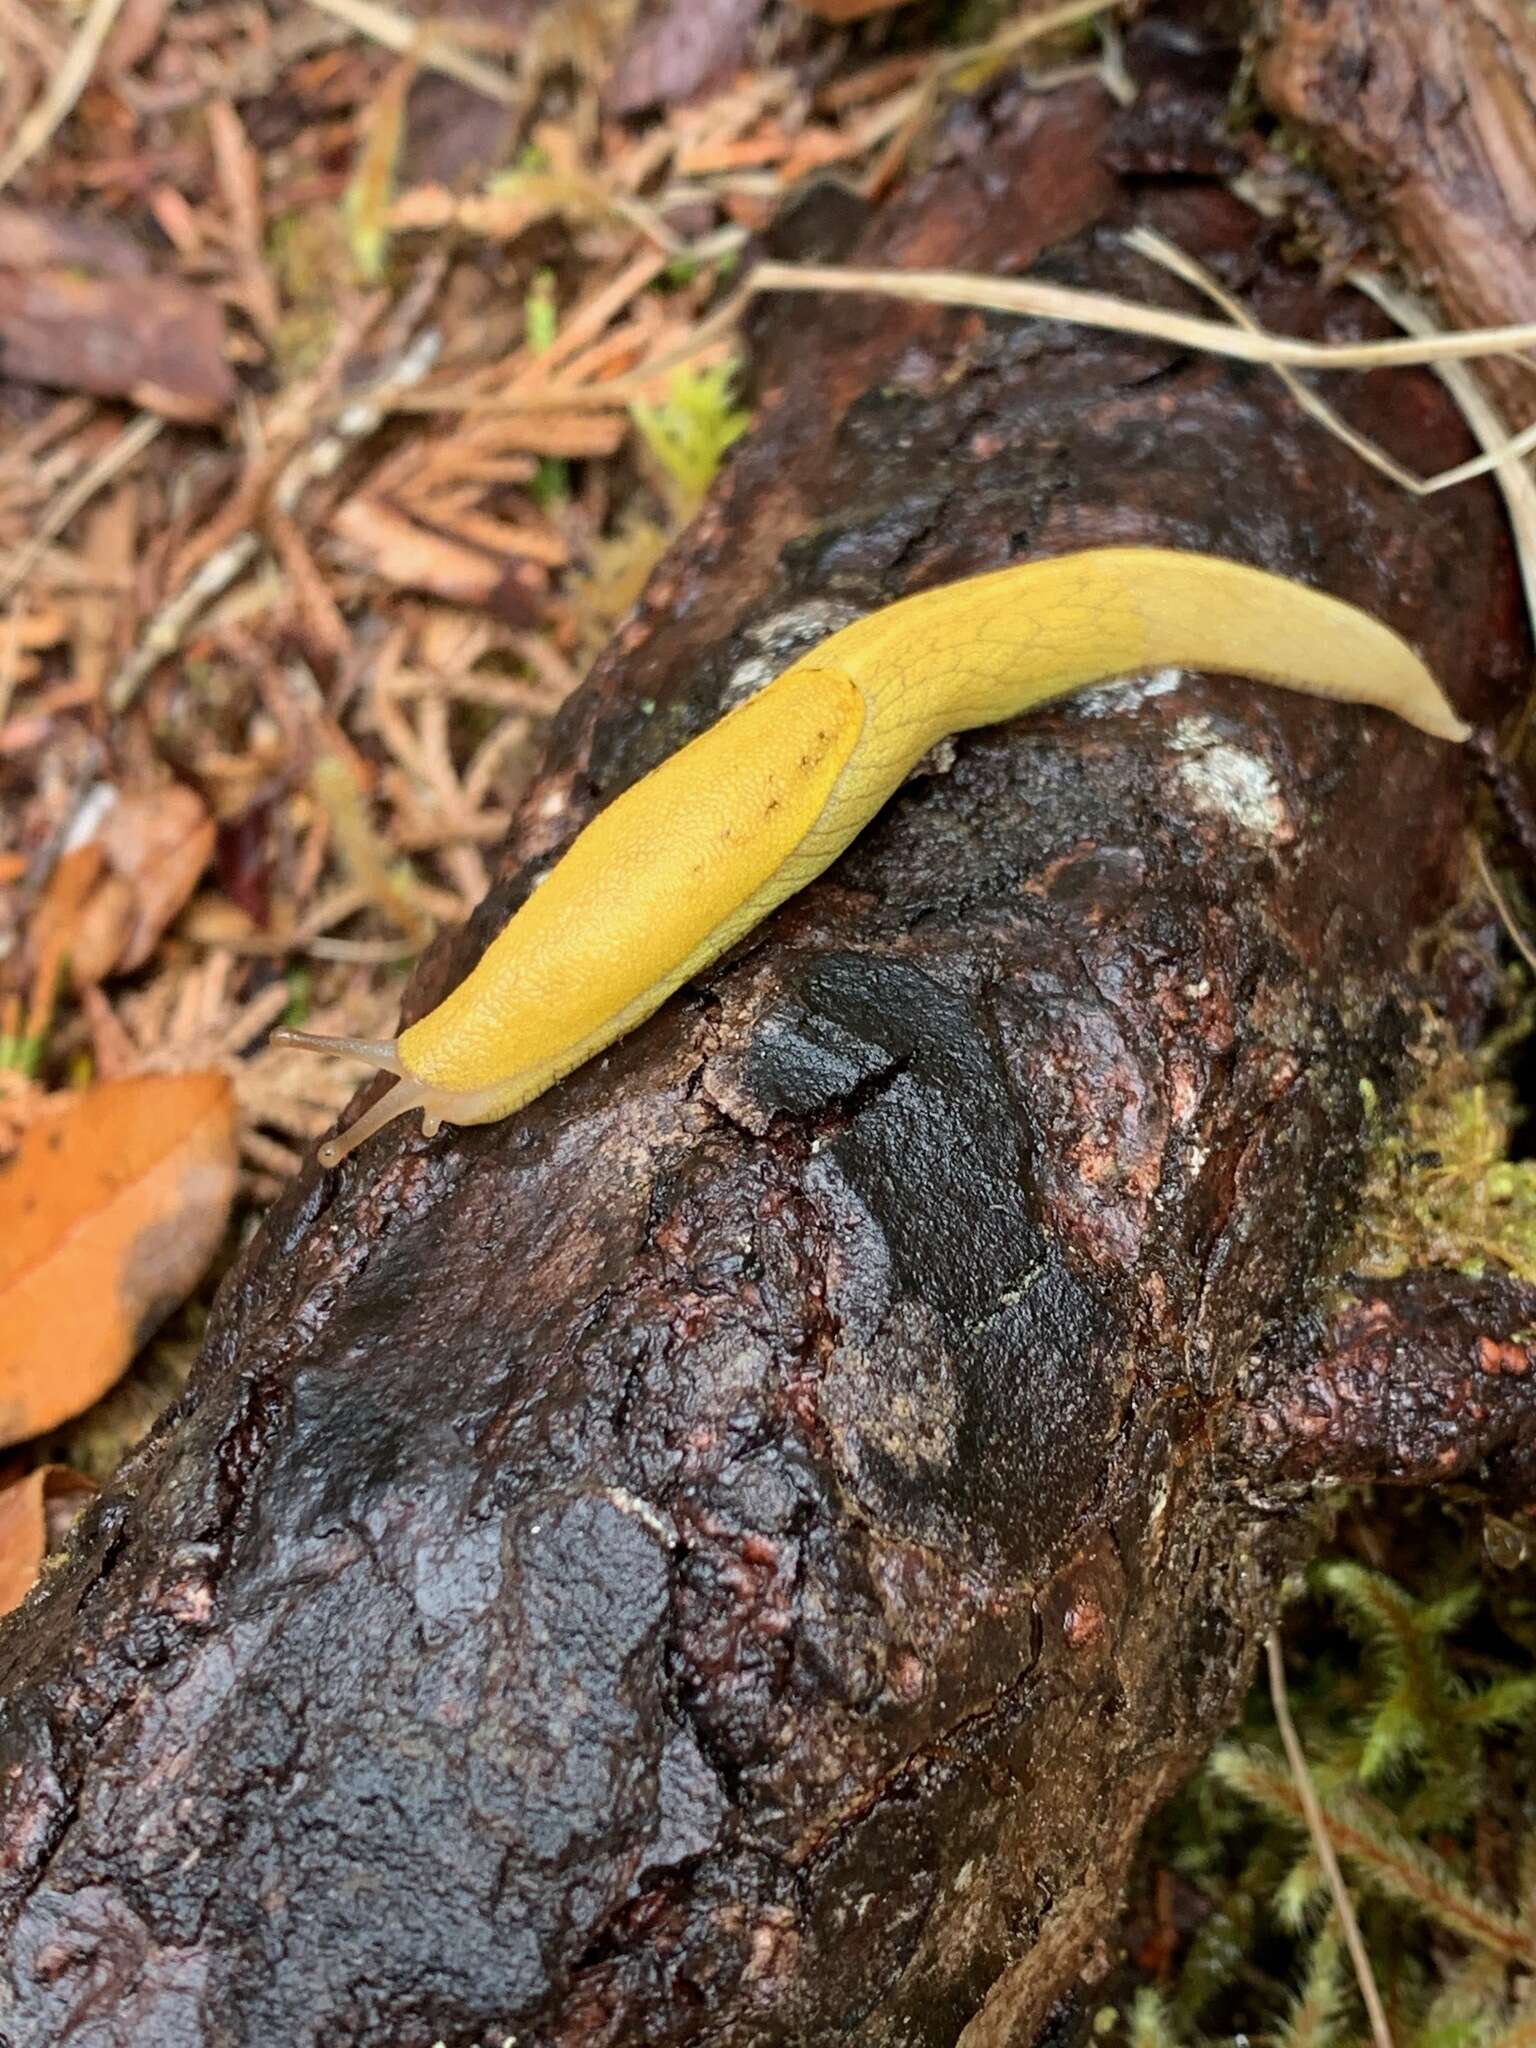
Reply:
x=734 y=1553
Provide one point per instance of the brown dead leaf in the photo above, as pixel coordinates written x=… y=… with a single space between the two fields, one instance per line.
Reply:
x=849 y=10
x=240 y=179
x=109 y=1214
x=56 y=923
x=680 y=48
x=109 y=901
x=100 y=933
x=35 y=1514
x=47 y=238
x=158 y=842
x=152 y=339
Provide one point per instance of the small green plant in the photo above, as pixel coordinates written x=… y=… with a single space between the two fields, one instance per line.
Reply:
x=541 y=320
x=300 y=978
x=370 y=190
x=1417 y=1710
x=541 y=313
x=689 y=432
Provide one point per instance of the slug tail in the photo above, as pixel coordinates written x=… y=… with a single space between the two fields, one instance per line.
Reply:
x=1200 y=613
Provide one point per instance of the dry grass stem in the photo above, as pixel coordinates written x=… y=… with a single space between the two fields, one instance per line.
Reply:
x=1488 y=429
x=431 y=44
x=1245 y=342
x=1497 y=898
x=1158 y=249
x=1103 y=310
x=69 y=81
x=1322 y=1843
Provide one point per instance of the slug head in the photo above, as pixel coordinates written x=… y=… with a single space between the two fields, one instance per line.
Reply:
x=660 y=883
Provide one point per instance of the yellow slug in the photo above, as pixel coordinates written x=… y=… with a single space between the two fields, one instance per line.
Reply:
x=690 y=858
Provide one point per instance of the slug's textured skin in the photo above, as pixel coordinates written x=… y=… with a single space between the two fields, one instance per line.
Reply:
x=683 y=864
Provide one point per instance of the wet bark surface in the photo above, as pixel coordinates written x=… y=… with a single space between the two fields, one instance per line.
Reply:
x=733 y=1554
x=1427 y=1377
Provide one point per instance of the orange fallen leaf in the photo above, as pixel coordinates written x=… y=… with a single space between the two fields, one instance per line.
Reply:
x=109 y=1214
x=35 y=1513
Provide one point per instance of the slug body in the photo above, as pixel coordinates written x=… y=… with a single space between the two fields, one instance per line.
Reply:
x=684 y=863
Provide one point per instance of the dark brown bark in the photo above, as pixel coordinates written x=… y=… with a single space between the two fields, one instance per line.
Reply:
x=733 y=1553
x=1416 y=1380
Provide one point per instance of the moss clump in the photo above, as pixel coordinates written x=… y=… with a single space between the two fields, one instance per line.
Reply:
x=1441 y=1188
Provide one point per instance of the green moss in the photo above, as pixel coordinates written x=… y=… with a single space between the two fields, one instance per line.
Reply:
x=689 y=432
x=1441 y=1188
x=1416 y=1705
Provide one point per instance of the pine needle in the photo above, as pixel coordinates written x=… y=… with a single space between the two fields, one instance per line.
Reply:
x=366 y=201
x=384 y=881
x=112 y=461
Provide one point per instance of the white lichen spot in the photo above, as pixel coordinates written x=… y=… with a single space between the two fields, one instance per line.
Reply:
x=1104 y=699
x=780 y=640
x=1229 y=780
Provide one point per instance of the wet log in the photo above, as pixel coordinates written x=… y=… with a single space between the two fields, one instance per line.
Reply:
x=734 y=1553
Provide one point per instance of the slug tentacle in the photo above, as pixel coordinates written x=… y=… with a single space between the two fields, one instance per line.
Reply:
x=383 y=1053
x=407 y=1093
x=405 y=1096
x=680 y=866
